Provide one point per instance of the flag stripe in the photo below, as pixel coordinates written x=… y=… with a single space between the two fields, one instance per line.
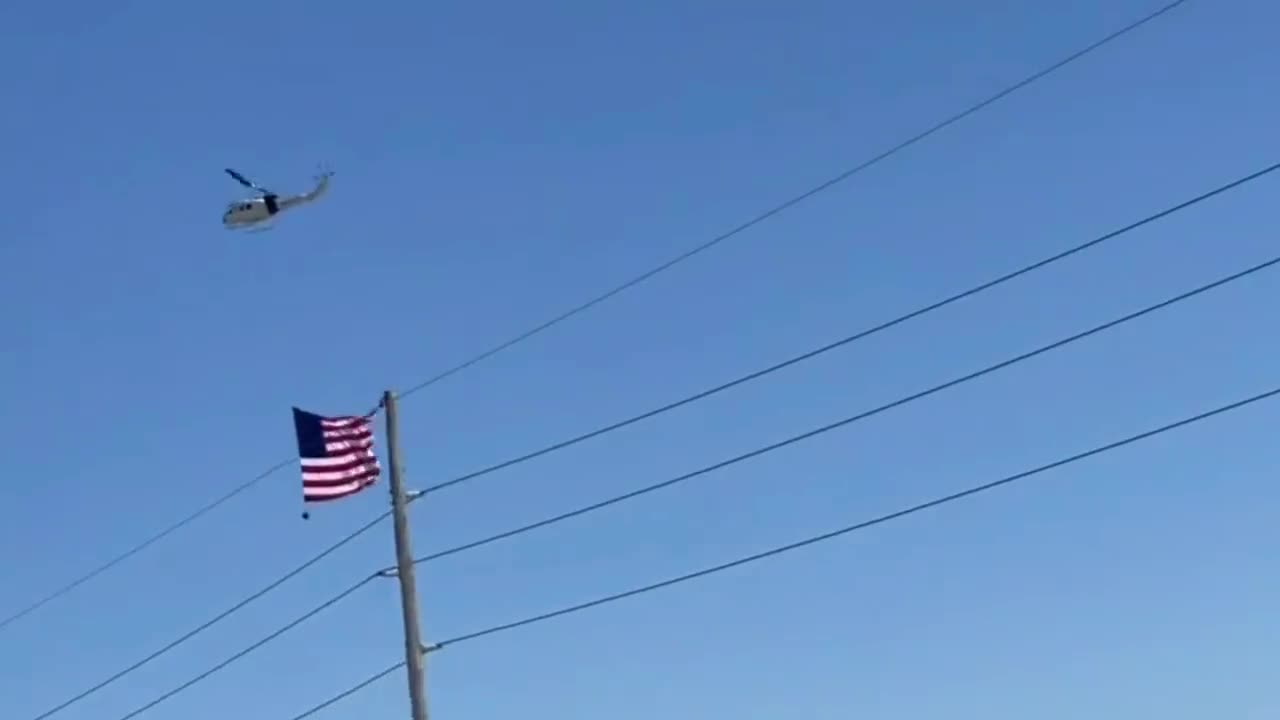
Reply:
x=313 y=479
x=321 y=469
x=327 y=494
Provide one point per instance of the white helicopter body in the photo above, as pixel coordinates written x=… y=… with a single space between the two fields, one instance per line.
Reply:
x=256 y=213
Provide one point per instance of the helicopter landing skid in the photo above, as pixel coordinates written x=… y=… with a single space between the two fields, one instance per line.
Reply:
x=253 y=229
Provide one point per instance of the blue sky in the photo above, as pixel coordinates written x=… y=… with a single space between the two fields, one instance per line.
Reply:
x=497 y=164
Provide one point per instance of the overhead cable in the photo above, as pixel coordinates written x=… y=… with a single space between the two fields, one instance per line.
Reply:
x=807 y=194
x=707 y=393
x=10 y=619
x=813 y=540
x=826 y=185
x=1055 y=345
x=746 y=456
x=860 y=335
x=219 y=618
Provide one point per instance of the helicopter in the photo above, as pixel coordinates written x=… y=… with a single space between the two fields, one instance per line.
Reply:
x=257 y=213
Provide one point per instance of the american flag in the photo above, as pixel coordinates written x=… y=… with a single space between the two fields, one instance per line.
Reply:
x=336 y=454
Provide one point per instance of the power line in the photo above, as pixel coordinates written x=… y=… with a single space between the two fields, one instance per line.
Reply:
x=707 y=393
x=859 y=416
x=219 y=618
x=813 y=540
x=779 y=209
x=810 y=354
x=277 y=633
x=852 y=528
x=139 y=547
x=733 y=461
x=349 y=691
x=828 y=184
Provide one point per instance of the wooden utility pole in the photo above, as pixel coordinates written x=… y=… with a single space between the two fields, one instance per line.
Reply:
x=413 y=648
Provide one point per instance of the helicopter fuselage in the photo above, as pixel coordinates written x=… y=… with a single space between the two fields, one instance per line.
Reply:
x=249 y=212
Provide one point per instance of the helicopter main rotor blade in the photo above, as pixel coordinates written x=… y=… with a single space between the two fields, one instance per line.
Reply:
x=244 y=180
